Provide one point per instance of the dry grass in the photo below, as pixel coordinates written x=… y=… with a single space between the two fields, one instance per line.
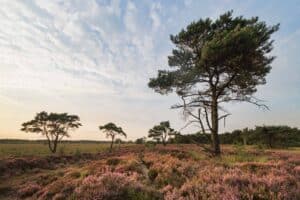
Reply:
x=39 y=149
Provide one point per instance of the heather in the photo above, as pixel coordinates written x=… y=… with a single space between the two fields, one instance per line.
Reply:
x=170 y=172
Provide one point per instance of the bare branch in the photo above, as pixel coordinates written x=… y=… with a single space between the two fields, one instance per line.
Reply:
x=207 y=120
x=251 y=100
x=225 y=85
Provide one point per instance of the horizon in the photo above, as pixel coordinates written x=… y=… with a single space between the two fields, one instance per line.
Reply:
x=94 y=60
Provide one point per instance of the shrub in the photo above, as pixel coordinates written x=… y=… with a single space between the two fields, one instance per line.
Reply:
x=152 y=174
x=113 y=161
x=134 y=166
x=113 y=186
x=77 y=153
x=196 y=156
x=28 y=190
x=75 y=174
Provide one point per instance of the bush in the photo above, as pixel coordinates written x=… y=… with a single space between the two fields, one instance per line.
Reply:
x=134 y=166
x=113 y=161
x=152 y=174
x=77 y=153
x=113 y=186
x=28 y=190
x=75 y=174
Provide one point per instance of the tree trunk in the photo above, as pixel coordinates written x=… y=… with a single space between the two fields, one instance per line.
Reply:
x=245 y=140
x=112 y=143
x=55 y=146
x=270 y=140
x=49 y=145
x=215 y=127
x=164 y=140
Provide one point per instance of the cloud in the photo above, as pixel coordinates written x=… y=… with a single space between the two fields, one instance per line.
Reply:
x=94 y=59
x=130 y=17
x=55 y=52
x=155 y=8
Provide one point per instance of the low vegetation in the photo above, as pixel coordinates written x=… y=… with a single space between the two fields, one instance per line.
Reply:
x=164 y=172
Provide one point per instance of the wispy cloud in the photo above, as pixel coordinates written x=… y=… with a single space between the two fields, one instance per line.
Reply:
x=94 y=58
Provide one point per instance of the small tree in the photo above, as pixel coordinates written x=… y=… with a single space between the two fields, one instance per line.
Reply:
x=162 y=132
x=141 y=140
x=112 y=131
x=55 y=126
x=216 y=62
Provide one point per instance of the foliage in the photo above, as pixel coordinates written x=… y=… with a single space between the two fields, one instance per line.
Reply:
x=55 y=126
x=162 y=132
x=114 y=186
x=261 y=136
x=141 y=140
x=112 y=131
x=191 y=138
x=28 y=190
x=113 y=161
x=152 y=174
x=267 y=136
x=215 y=62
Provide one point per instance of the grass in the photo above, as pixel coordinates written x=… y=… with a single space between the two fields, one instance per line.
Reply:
x=243 y=154
x=232 y=159
x=40 y=149
x=196 y=155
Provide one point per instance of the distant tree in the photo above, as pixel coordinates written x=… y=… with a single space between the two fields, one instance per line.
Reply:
x=112 y=131
x=273 y=136
x=244 y=135
x=162 y=132
x=119 y=142
x=197 y=138
x=269 y=136
x=141 y=140
x=55 y=126
x=215 y=62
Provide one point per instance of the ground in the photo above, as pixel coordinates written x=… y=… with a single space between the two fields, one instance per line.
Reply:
x=150 y=172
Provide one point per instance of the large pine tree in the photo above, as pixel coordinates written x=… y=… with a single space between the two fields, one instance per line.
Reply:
x=215 y=62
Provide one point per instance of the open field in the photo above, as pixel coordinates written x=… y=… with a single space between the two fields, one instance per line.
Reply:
x=140 y=172
x=41 y=149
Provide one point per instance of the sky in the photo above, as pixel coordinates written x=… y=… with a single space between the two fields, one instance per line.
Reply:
x=94 y=59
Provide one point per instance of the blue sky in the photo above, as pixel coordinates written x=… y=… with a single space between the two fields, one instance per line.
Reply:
x=94 y=58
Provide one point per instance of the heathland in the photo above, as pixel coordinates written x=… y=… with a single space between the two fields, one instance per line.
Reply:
x=147 y=171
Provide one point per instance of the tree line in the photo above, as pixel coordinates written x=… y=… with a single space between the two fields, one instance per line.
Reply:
x=214 y=62
x=266 y=136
